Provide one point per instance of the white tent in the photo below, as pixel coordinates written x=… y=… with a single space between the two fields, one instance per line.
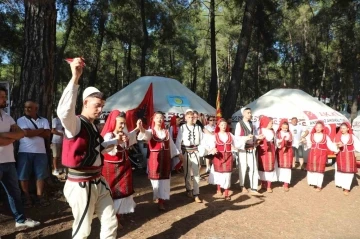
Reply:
x=288 y=103
x=163 y=89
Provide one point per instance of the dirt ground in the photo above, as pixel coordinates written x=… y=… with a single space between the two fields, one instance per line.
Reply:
x=300 y=213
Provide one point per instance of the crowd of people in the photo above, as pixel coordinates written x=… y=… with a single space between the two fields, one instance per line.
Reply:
x=99 y=174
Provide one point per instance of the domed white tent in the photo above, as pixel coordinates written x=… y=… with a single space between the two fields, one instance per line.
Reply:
x=164 y=90
x=288 y=103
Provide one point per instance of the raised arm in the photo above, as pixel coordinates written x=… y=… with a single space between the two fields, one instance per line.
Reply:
x=67 y=103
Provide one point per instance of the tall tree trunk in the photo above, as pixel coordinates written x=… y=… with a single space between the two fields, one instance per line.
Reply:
x=129 y=68
x=195 y=68
x=240 y=59
x=37 y=71
x=145 y=43
x=292 y=60
x=354 y=61
x=104 y=6
x=60 y=51
x=214 y=77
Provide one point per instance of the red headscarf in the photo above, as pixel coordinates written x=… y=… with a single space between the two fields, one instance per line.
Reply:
x=264 y=122
x=110 y=122
x=217 y=129
x=153 y=122
x=338 y=135
x=325 y=129
x=174 y=126
x=278 y=132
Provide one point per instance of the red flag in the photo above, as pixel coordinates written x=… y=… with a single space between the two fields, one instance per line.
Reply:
x=144 y=111
x=218 y=110
x=69 y=60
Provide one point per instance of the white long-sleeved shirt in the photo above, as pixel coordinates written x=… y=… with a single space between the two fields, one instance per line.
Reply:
x=283 y=134
x=345 y=140
x=317 y=138
x=183 y=139
x=209 y=143
x=147 y=135
x=132 y=140
x=71 y=122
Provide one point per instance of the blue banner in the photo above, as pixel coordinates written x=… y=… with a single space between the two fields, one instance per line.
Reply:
x=180 y=101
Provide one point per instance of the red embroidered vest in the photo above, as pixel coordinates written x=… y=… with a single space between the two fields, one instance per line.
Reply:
x=318 y=145
x=221 y=146
x=157 y=144
x=80 y=151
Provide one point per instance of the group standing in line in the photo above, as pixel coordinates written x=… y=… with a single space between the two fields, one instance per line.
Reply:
x=100 y=178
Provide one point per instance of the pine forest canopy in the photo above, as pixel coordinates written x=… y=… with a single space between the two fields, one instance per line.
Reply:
x=243 y=47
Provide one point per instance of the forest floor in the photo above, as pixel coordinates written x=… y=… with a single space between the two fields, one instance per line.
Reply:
x=300 y=213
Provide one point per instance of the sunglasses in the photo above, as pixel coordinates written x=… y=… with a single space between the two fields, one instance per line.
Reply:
x=211 y=120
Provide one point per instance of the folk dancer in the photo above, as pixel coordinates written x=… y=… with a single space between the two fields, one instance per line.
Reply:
x=345 y=167
x=85 y=189
x=247 y=157
x=174 y=129
x=266 y=154
x=189 y=137
x=162 y=150
x=319 y=143
x=117 y=169
x=284 y=153
x=221 y=146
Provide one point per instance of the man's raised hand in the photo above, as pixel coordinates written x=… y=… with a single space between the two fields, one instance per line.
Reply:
x=77 y=65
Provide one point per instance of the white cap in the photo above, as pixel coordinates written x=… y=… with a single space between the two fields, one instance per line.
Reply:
x=88 y=91
x=189 y=110
x=242 y=110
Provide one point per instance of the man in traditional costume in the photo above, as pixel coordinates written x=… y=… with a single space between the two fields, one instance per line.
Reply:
x=189 y=138
x=247 y=157
x=86 y=191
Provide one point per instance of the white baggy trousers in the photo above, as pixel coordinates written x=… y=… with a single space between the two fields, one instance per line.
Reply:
x=85 y=198
x=192 y=164
x=247 y=158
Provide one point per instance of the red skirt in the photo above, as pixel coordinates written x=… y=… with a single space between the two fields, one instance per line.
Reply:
x=346 y=162
x=159 y=164
x=119 y=177
x=266 y=158
x=285 y=157
x=223 y=162
x=317 y=160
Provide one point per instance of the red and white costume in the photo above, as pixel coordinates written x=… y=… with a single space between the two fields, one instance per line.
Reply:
x=117 y=168
x=319 y=143
x=162 y=150
x=247 y=157
x=266 y=152
x=284 y=154
x=85 y=190
x=345 y=166
x=225 y=143
x=174 y=129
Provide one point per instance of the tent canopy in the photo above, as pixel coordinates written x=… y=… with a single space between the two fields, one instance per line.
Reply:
x=288 y=103
x=132 y=95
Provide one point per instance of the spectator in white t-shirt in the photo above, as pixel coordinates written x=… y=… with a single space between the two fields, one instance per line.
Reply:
x=32 y=157
x=56 y=143
x=299 y=133
x=9 y=132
